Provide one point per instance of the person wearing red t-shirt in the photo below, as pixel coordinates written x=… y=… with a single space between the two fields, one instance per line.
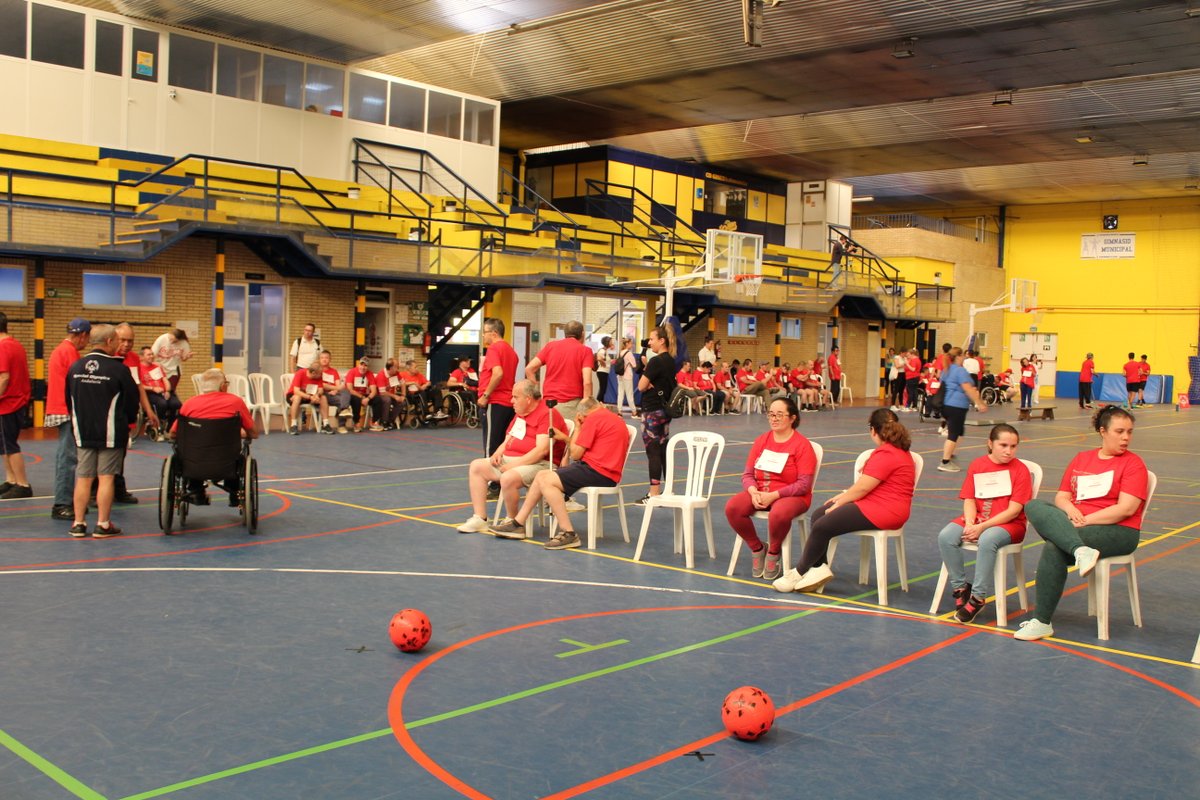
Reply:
x=598 y=446
x=702 y=379
x=568 y=362
x=215 y=402
x=388 y=400
x=57 y=416
x=424 y=399
x=1143 y=376
x=464 y=381
x=132 y=361
x=835 y=375
x=778 y=479
x=158 y=391
x=814 y=384
x=524 y=453
x=750 y=383
x=360 y=388
x=333 y=388
x=685 y=379
x=1097 y=513
x=496 y=377
x=912 y=378
x=997 y=488
x=725 y=382
x=1086 y=372
x=1028 y=379
x=1133 y=380
x=15 y=391
x=804 y=398
x=881 y=498
x=306 y=389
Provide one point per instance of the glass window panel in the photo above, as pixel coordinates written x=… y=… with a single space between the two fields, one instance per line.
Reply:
x=101 y=289
x=237 y=72
x=742 y=325
x=144 y=291
x=445 y=115
x=368 y=98
x=407 y=109
x=281 y=81
x=110 y=47
x=56 y=36
x=792 y=328
x=12 y=285
x=323 y=90
x=480 y=121
x=144 y=57
x=12 y=28
x=191 y=63
x=235 y=318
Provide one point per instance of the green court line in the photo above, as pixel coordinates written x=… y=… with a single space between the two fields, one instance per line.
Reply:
x=54 y=773
x=584 y=647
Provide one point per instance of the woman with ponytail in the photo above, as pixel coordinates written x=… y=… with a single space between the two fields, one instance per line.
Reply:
x=656 y=385
x=881 y=498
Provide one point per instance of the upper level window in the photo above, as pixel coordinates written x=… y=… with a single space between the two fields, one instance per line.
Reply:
x=793 y=327
x=281 y=81
x=407 y=109
x=144 y=56
x=479 y=122
x=13 y=15
x=368 y=98
x=119 y=290
x=12 y=285
x=56 y=36
x=742 y=325
x=191 y=63
x=324 y=90
x=445 y=115
x=110 y=47
x=237 y=72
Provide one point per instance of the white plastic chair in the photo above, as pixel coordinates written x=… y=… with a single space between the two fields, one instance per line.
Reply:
x=1100 y=578
x=595 y=519
x=879 y=538
x=802 y=523
x=1196 y=655
x=844 y=389
x=313 y=412
x=751 y=403
x=262 y=400
x=1000 y=573
x=704 y=451
x=196 y=384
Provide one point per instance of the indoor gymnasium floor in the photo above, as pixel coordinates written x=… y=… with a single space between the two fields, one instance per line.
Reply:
x=215 y=664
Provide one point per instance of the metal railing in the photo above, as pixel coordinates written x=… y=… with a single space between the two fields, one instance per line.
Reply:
x=979 y=233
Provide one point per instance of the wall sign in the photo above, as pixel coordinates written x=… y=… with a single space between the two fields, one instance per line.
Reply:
x=1107 y=245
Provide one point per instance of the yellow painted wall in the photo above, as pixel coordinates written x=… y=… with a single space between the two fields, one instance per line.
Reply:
x=921 y=270
x=593 y=170
x=1148 y=304
x=621 y=174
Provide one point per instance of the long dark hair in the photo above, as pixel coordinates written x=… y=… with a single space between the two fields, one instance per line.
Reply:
x=887 y=427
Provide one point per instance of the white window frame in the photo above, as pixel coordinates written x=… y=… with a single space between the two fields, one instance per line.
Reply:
x=742 y=325
x=123 y=276
x=24 y=286
x=791 y=322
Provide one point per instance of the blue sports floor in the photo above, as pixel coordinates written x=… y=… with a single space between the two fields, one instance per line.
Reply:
x=220 y=665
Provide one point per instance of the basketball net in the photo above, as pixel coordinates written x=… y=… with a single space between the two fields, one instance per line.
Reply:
x=747 y=284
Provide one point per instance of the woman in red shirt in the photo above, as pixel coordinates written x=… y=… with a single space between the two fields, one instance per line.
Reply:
x=880 y=498
x=1097 y=512
x=778 y=479
x=1028 y=379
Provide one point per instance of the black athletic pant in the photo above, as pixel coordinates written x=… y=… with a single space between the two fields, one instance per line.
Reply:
x=1085 y=393
x=826 y=525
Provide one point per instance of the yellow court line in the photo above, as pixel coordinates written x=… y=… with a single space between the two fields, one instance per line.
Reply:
x=344 y=504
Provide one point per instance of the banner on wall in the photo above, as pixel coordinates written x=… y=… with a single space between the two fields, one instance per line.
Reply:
x=1107 y=245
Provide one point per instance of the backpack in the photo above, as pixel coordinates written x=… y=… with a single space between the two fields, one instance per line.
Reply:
x=676 y=407
x=618 y=366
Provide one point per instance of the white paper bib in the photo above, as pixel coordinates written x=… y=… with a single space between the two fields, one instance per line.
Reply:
x=990 y=485
x=1089 y=487
x=517 y=431
x=771 y=461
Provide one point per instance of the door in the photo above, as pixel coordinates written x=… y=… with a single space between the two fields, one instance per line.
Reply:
x=520 y=343
x=1042 y=345
x=254 y=335
x=380 y=329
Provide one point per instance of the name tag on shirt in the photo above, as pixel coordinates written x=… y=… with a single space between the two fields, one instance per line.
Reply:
x=1027 y=374
x=156 y=374
x=517 y=431
x=989 y=485
x=393 y=380
x=329 y=377
x=360 y=382
x=1089 y=487
x=311 y=388
x=771 y=461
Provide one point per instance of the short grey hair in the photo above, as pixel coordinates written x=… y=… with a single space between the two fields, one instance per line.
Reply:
x=528 y=389
x=587 y=404
x=211 y=380
x=102 y=334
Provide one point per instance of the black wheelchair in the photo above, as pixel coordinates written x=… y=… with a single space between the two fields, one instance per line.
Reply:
x=208 y=450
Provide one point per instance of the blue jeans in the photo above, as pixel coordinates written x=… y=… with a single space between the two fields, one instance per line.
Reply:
x=64 y=467
x=1026 y=396
x=990 y=541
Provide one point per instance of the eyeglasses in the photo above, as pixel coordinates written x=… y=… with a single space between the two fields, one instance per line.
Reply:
x=778 y=415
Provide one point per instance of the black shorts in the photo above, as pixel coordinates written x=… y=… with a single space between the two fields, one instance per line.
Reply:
x=578 y=475
x=956 y=419
x=10 y=429
x=1141 y=385
x=1133 y=387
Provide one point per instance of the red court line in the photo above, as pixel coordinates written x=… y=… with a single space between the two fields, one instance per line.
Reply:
x=1155 y=681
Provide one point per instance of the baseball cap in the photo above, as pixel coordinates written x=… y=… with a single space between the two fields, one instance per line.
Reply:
x=79 y=325
x=364 y=360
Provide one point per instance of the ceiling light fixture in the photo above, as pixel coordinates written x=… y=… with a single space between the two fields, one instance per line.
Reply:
x=905 y=48
x=1003 y=98
x=1192 y=12
x=1141 y=161
x=866 y=198
x=1085 y=138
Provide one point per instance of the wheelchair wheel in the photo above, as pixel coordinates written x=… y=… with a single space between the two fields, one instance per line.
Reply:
x=452 y=404
x=250 y=495
x=166 y=495
x=988 y=395
x=138 y=425
x=472 y=415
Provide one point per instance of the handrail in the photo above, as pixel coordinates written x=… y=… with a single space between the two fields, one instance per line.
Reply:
x=592 y=182
x=393 y=174
x=600 y=188
x=547 y=203
x=869 y=259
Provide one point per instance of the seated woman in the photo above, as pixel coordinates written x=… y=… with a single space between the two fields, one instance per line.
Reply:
x=994 y=495
x=1097 y=512
x=778 y=479
x=881 y=498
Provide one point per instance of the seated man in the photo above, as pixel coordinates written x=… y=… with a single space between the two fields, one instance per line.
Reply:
x=360 y=389
x=158 y=392
x=524 y=453
x=815 y=384
x=803 y=396
x=726 y=383
x=703 y=381
x=388 y=400
x=686 y=382
x=215 y=402
x=597 y=446
x=422 y=396
x=749 y=383
x=337 y=399
x=305 y=390
x=464 y=379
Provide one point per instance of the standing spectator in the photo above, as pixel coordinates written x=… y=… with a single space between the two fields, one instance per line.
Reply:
x=389 y=397
x=896 y=363
x=164 y=402
x=604 y=359
x=1086 y=371
x=1133 y=379
x=568 y=363
x=305 y=349
x=57 y=416
x=842 y=248
x=360 y=386
x=1028 y=380
x=626 y=368
x=960 y=394
x=170 y=351
x=1036 y=361
x=710 y=351
x=971 y=364
x=942 y=362
x=912 y=378
x=103 y=401
x=133 y=363
x=496 y=378
x=656 y=385
x=1143 y=376
x=14 y=397
x=835 y=375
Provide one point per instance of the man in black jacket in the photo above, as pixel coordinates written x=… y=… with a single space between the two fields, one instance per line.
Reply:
x=103 y=401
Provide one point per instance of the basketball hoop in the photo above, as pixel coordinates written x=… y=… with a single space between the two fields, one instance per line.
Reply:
x=747 y=284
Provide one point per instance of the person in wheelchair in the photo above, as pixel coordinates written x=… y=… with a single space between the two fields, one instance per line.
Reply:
x=423 y=398
x=215 y=402
x=158 y=391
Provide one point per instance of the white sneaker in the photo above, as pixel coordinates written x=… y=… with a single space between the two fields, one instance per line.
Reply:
x=1033 y=629
x=787 y=582
x=1085 y=559
x=944 y=433
x=473 y=525
x=811 y=581
x=574 y=505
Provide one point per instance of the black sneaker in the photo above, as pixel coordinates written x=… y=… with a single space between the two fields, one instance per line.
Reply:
x=563 y=541
x=78 y=531
x=970 y=609
x=17 y=492
x=62 y=512
x=125 y=499
x=643 y=500
x=4 y=487
x=294 y=430
x=493 y=492
x=105 y=531
x=961 y=595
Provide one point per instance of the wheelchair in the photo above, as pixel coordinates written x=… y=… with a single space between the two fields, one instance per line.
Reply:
x=207 y=450
x=461 y=407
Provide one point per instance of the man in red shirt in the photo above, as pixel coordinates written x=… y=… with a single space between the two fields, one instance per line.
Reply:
x=389 y=397
x=158 y=391
x=912 y=378
x=835 y=375
x=133 y=361
x=57 y=416
x=1133 y=380
x=1143 y=375
x=360 y=388
x=598 y=445
x=14 y=397
x=333 y=388
x=215 y=402
x=703 y=380
x=306 y=389
x=568 y=363
x=749 y=382
x=424 y=399
x=724 y=382
x=686 y=381
x=524 y=453
x=496 y=378
x=1086 y=372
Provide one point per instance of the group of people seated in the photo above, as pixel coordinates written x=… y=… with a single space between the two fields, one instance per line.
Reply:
x=720 y=391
